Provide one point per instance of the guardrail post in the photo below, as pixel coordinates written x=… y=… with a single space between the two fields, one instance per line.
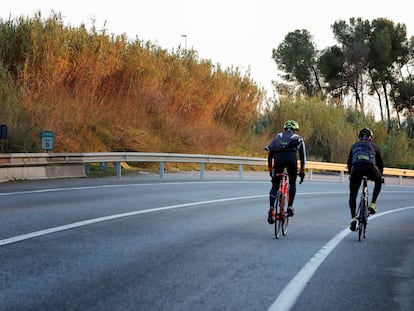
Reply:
x=240 y=171
x=342 y=176
x=103 y=166
x=86 y=168
x=202 y=165
x=118 y=169
x=161 y=169
x=310 y=174
x=400 y=180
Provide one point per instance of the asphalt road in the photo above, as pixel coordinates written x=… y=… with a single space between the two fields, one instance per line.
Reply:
x=181 y=243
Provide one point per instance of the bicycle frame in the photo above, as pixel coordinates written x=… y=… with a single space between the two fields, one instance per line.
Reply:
x=282 y=198
x=362 y=212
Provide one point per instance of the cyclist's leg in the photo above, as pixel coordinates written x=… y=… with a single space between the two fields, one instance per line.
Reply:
x=275 y=184
x=293 y=172
x=273 y=192
x=355 y=180
x=376 y=177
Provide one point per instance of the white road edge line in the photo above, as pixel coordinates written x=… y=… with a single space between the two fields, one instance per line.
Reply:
x=111 y=217
x=117 y=186
x=289 y=295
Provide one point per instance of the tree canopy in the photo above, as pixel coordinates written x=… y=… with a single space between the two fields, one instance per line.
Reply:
x=371 y=58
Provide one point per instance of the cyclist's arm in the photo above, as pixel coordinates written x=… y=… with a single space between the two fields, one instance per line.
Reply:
x=302 y=155
x=349 y=162
x=270 y=159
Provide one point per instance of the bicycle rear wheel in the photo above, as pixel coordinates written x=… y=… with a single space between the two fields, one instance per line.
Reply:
x=278 y=225
x=278 y=218
x=362 y=221
x=285 y=216
x=282 y=219
x=361 y=230
x=285 y=224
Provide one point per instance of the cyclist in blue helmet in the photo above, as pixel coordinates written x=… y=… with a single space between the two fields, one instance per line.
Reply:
x=364 y=160
x=282 y=154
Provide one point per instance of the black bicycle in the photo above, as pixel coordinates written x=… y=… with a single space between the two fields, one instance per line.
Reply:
x=362 y=212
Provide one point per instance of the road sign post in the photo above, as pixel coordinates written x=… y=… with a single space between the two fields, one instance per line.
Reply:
x=48 y=140
x=3 y=136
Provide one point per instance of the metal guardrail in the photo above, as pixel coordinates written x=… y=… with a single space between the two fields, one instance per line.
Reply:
x=38 y=159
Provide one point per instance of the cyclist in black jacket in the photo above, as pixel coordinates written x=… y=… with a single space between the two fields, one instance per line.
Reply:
x=364 y=160
x=282 y=154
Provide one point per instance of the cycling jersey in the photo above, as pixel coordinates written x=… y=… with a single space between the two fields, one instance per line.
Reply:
x=365 y=153
x=285 y=145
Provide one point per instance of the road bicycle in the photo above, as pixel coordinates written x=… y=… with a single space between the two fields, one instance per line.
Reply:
x=281 y=216
x=362 y=212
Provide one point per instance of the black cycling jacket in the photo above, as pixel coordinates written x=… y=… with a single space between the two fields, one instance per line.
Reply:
x=287 y=143
x=365 y=153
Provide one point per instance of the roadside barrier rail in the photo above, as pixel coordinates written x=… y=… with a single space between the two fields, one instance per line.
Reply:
x=117 y=158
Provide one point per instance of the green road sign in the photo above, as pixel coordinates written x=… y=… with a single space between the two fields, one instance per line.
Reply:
x=48 y=140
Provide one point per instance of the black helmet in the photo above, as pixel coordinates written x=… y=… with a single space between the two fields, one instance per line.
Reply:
x=365 y=132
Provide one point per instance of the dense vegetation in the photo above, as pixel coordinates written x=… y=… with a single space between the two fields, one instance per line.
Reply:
x=373 y=58
x=101 y=92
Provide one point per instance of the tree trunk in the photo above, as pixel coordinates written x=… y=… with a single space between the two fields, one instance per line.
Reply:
x=387 y=104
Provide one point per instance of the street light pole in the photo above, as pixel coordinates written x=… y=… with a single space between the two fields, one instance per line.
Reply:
x=410 y=116
x=185 y=41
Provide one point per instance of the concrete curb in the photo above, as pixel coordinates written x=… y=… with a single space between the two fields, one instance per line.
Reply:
x=41 y=172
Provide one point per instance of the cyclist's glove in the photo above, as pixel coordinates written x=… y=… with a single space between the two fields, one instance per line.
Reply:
x=302 y=175
x=270 y=171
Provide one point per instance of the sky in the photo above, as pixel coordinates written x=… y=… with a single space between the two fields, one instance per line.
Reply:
x=237 y=33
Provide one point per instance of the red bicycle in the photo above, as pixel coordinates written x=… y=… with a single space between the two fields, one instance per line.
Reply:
x=279 y=211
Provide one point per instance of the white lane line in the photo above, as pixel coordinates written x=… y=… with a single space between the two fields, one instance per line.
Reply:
x=110 y=217
x=171 y=183
x=123 y=185
x=116 y=216
x=288 y=296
